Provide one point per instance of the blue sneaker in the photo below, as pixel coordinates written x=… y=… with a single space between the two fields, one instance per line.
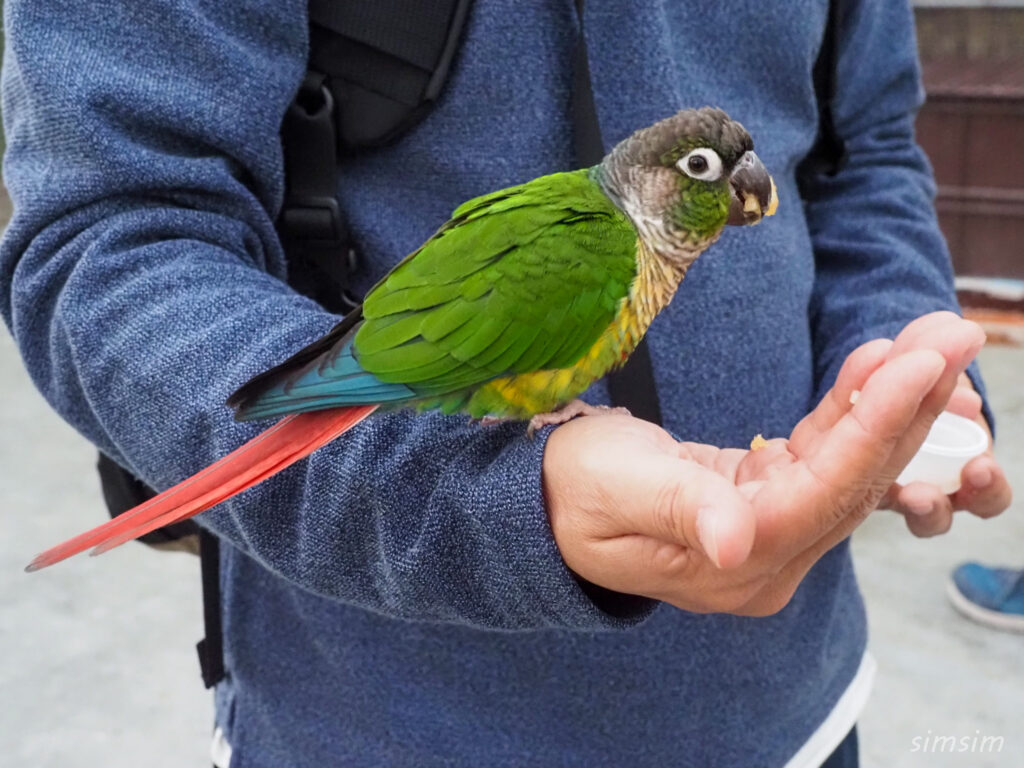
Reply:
x=992 y=596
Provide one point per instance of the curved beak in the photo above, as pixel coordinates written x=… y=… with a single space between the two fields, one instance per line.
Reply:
x=753 y=192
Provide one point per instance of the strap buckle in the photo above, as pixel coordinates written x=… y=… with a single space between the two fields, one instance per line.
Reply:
x=314 y=221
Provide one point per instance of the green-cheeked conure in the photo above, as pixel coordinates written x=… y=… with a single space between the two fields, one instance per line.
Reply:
x=515 y=306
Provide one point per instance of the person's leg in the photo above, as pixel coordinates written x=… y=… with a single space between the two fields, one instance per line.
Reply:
x=846 y=754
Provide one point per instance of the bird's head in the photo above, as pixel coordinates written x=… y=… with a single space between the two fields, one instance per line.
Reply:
x=684 y=178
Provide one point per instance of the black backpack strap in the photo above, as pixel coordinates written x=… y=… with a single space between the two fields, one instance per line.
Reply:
x=211 y=647
x=828 y=155
x=321 y=257
x=632 y=386
x=375 y=70
x=386 y=61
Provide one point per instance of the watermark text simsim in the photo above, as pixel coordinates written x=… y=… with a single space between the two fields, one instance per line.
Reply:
x=976 y=743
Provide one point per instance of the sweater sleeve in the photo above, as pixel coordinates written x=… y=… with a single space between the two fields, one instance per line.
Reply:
x=142 y=280
x=881 y=260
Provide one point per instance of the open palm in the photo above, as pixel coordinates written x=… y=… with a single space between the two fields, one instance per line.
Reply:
x=711 y=529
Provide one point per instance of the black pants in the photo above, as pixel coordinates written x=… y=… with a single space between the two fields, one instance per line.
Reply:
x=845 y=755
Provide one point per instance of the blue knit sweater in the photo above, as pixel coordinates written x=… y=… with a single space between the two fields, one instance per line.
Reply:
x=398 y=598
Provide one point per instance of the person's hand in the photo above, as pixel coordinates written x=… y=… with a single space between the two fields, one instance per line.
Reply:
x=984 y=489
x=709 y=529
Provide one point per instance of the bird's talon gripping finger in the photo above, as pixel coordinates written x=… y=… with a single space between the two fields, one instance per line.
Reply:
x=489 y=421
x=570 y=411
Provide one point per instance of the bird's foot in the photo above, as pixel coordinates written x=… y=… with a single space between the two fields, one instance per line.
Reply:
x=490 y=421
x=570 y=411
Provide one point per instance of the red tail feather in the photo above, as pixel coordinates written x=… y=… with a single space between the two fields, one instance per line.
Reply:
x=291 y=439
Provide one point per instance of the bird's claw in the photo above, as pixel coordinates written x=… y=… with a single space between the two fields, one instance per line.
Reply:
x=570 y=411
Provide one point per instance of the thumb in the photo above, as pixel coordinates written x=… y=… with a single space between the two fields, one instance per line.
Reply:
x=679 y=501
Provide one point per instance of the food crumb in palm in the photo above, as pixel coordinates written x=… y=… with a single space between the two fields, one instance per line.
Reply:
x=758 y=442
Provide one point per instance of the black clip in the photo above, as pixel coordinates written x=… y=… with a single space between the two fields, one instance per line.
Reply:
x=314 y=220
x=311 y=225
x=310 y=213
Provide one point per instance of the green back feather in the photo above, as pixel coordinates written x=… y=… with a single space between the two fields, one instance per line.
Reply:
x=519 y=280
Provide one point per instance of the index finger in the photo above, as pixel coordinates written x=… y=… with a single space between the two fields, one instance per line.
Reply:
x=807 y=499
x=944 y=332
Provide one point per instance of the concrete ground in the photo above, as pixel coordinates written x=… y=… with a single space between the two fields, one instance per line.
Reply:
x=940 y=675
x=97 y=665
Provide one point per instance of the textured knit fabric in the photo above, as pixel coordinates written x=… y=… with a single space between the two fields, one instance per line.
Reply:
x=398 y=598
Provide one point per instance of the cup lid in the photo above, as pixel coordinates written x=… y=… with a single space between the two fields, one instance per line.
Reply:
x=953 y=435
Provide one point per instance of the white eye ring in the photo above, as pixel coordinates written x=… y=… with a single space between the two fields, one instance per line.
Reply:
x=712 y=165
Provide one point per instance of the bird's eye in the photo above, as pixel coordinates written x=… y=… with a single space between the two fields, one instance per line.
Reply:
x=702 y=163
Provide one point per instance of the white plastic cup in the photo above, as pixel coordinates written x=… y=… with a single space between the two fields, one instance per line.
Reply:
x=951 y=443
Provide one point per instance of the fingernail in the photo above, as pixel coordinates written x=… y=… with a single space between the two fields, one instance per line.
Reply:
x=921 y=508
x=707 y=532
x=971 y=353
x=980 y=477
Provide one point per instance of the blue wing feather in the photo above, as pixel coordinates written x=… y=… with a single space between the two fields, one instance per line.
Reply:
x=336 y=381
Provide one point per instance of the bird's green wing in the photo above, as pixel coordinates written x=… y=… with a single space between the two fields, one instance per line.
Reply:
x=519 y=280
